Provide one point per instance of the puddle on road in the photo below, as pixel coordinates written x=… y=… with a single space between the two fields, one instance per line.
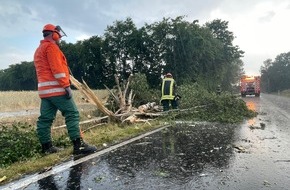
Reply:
x=253 y=103
x=183 y=156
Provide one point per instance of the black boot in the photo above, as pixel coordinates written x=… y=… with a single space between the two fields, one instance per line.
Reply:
x=47 y=148
x=80 y=147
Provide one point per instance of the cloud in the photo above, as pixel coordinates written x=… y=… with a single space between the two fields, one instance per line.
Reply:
x=82 y=37
x=15 y=56
x=260 y=26
x=268 y=16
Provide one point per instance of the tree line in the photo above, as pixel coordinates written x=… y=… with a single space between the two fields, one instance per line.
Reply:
x=193 y=53
x=275 y=74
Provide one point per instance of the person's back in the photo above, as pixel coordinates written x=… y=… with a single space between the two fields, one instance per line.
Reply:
x=168 y=92
x=51 y=69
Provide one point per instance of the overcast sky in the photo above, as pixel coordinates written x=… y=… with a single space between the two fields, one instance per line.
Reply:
x=261 y=27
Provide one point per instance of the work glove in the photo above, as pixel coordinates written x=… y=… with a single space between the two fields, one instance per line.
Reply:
x=68 y=92
x=177 y=97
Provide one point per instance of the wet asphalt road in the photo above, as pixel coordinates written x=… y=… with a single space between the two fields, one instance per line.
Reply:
x=253 y=155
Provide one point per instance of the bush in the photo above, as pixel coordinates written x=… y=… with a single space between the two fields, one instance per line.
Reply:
x=191 y=95
x=225 y=108
x=17 y=142
x=143 y=94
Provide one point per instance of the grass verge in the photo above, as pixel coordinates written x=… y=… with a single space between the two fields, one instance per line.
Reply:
x=109 y=134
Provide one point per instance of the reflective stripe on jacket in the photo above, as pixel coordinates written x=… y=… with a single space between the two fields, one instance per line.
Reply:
x=167 y=89
x=51 y=70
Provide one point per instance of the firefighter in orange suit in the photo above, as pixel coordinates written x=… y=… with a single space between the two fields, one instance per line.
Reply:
x=55 y=92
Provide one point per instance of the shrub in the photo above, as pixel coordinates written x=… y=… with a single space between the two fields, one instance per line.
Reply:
x=225 y=108
x=17 y=143
x=20 y=142
x=142 y=91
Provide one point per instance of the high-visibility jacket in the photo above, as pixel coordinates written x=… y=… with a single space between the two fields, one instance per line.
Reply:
x=168 y=89
x=51 y=70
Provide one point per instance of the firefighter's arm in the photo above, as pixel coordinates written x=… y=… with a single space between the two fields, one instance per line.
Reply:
x=175 y=88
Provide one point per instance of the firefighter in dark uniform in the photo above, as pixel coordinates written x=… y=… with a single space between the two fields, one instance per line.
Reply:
x=168 y=92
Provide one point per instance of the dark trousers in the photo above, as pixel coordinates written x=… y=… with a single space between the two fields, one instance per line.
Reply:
x=48 y=109
x=166 y=103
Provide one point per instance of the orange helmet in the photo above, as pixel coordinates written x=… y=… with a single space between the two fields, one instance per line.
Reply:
x=49 y=27
x=57 y=29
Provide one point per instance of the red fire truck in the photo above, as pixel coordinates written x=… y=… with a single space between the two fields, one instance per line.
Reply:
x=250 y=85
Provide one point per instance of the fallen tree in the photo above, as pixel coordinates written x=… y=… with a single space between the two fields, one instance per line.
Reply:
x=91 y=97
x=124 y=100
